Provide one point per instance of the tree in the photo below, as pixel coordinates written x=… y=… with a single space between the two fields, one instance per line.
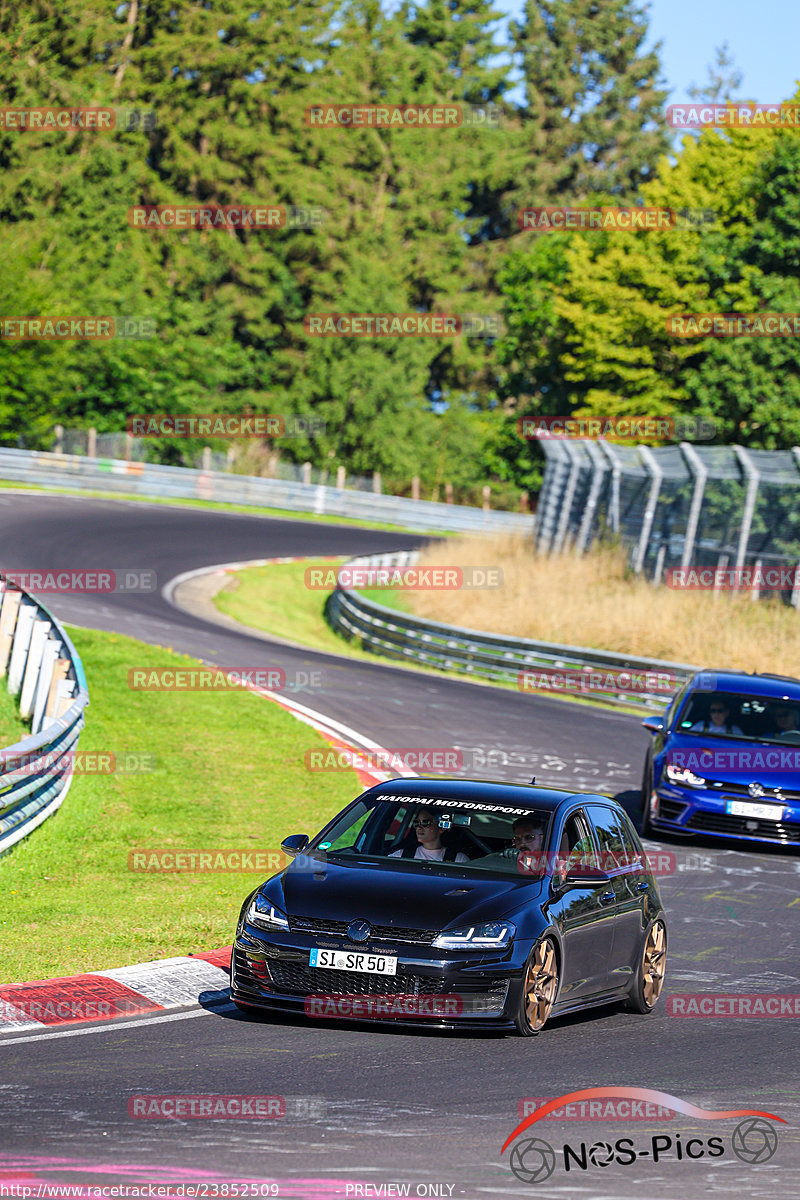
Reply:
x=724 y=79
x=593 y=116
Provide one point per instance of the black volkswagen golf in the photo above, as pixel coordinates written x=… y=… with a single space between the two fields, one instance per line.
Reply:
x=457 y=903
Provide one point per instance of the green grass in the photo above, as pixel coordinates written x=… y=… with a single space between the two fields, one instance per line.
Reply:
x=12 y=727
x=215 y=505
x=229 y=773
x=276 y=600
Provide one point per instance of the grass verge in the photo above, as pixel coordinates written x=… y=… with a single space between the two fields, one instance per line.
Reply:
x=229 y=773
x=12 y=727
x=276 y=600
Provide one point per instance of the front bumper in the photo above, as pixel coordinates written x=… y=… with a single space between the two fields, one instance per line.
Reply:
x=432 y=988
x=702 y=811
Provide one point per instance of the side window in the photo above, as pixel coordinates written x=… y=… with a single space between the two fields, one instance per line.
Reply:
x=677 y=701
x=609 y=837
x=634 y=856
x=576 y=847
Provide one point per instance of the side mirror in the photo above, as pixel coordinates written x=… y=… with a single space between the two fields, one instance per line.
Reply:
x=294 y=844
x=653 y=724
x=582 y=877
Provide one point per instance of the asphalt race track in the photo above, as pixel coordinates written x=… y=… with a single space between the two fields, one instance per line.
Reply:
x=371 y=1107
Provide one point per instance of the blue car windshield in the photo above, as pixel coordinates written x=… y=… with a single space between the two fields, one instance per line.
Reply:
x=737 y=715
x=440 y=831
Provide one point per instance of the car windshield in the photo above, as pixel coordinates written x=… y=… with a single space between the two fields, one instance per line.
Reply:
x=440 y=833
x=737 y=715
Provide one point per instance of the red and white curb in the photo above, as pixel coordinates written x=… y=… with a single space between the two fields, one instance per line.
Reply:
x=144 y=989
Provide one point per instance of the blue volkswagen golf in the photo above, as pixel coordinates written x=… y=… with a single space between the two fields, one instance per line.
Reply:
x=725 y=760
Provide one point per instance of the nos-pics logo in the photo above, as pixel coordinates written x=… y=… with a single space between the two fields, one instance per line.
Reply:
x=533 y=1160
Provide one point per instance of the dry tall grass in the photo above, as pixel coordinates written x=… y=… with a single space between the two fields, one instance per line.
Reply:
x=595 y=601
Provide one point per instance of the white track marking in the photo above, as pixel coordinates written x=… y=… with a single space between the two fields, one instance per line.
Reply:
x=147 y=1019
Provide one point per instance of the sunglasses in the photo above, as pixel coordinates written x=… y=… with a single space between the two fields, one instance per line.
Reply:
x=717 y=708
x=423 y=821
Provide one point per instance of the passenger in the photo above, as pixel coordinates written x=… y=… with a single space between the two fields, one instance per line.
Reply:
x=429 y=841
x=720 y=713
x=785 y=718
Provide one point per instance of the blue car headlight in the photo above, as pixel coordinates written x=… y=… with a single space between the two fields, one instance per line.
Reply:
x=683 y=776
x=495 y=935
x=262 y=913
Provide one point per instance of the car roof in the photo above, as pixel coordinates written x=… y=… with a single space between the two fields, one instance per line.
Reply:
x=483 y=791
x=756 y=684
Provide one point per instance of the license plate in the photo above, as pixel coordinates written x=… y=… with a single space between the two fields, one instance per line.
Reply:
x=761 y=812
x=350 y=960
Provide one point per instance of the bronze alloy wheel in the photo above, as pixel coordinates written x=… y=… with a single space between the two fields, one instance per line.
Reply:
x=654 y=964
x=540 y=987
x=651 y=972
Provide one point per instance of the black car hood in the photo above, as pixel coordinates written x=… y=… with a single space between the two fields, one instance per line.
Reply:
x=397 y=894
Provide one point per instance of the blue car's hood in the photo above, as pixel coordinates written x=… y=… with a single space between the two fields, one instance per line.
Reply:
x=394 y=894
x=735 y=760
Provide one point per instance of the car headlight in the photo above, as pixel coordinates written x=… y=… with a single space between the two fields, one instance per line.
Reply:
x=495 y=935
x=262 y=913
x=684 y=776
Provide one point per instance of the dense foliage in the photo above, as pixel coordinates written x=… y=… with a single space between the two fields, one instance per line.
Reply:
x=411 y=221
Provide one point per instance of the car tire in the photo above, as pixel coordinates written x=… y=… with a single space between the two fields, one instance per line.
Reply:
x=651 y=971
x=539 y=988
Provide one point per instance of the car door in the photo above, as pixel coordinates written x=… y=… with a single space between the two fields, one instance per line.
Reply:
x=623 y=864
x=583 y=916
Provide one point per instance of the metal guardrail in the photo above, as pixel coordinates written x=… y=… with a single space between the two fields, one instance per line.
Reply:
x=185 y=483
x=488 y=656
x=43 y=668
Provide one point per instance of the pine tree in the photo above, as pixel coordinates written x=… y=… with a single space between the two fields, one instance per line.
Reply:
x=593 y=116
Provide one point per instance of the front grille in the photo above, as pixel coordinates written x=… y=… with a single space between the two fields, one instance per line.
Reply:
x=671 y=810
x=380 y=933
x=295 y=978
x=743 y=789
x=773 y=831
